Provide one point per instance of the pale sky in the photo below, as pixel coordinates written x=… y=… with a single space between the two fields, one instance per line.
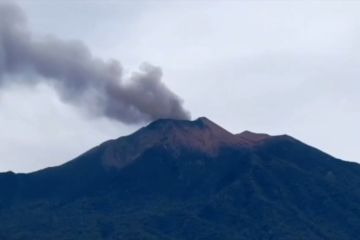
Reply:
x=273 y=67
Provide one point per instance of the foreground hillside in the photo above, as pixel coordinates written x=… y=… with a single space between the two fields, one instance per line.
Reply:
x=187 y=180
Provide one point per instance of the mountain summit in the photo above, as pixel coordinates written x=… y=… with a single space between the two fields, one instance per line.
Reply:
x=178 y=179
x=200 y=135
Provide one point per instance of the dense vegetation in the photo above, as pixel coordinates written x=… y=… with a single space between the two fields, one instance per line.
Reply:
x=280 y=189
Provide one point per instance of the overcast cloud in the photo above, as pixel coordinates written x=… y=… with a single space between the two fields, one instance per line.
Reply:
x=275 y=67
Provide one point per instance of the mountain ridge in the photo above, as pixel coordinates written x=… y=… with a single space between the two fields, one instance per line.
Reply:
x=201 y=134
x=179 y=180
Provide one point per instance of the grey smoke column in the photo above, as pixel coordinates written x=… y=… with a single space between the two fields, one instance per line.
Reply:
x=80 y=78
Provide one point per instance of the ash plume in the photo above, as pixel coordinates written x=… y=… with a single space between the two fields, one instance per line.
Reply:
x=94 y=85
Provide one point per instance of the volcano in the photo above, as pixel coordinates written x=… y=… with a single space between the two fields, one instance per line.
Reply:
x=179 y=179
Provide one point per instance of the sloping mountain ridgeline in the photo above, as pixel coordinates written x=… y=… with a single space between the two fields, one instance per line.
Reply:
x=177 y=179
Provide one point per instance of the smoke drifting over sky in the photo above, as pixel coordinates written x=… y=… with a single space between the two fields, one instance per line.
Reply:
x=95 y=85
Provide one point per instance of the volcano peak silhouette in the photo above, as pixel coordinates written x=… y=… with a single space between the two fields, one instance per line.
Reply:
x=179 y=179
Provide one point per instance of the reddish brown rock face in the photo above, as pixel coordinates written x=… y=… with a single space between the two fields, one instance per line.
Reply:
x=201 y=135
